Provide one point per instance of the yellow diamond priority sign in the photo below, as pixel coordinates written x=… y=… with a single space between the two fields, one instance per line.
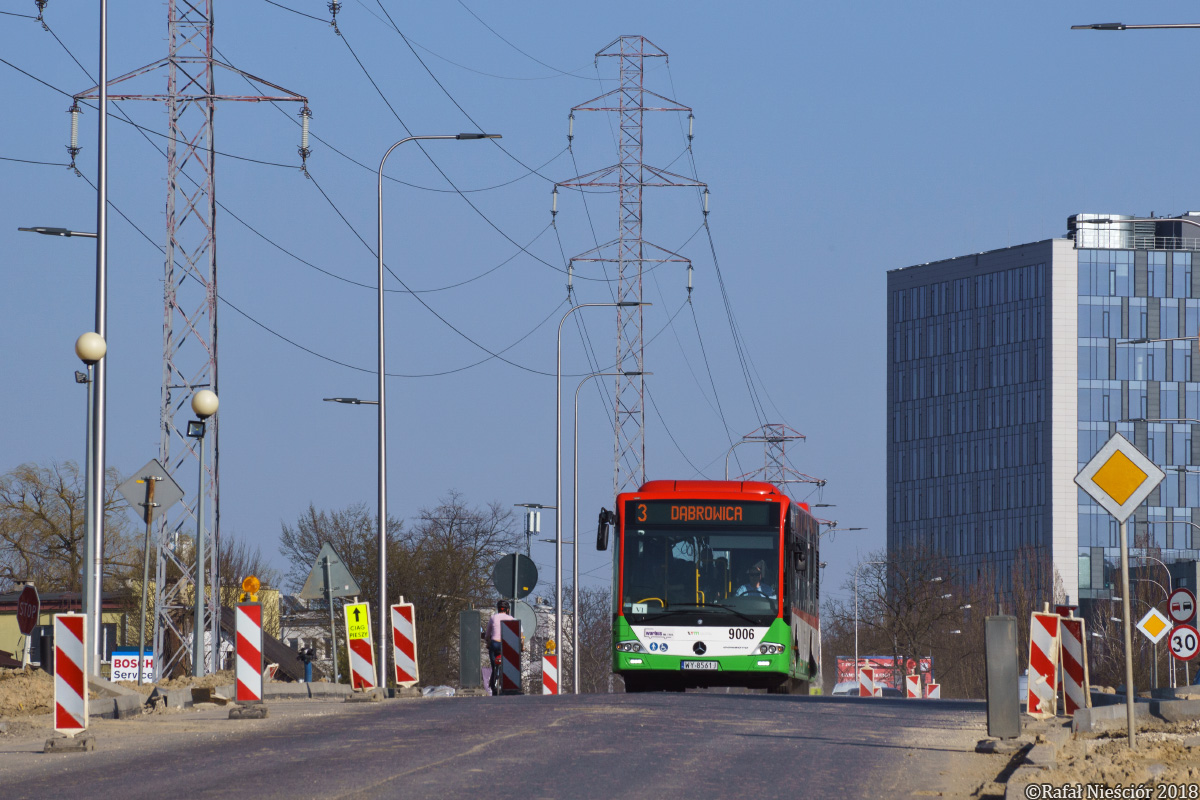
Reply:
x=1154 y=625
x=1119 y=477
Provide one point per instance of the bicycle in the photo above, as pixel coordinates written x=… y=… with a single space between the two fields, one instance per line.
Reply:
x=496 y=681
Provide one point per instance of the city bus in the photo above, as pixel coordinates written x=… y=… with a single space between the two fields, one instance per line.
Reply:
x=715 y=583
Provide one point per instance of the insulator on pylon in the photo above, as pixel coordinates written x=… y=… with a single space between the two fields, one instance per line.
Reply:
x=41 y=6
x=689 y=280
x=691 y=126
x=73 y=147
x=305 y=116
x=571 y=127
x=554 y=203
x=570 y=277
x=334 y=8
x=706 y=202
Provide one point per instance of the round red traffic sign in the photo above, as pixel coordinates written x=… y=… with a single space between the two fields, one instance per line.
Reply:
x=1184 y=642
x=28 y=606
x=1181 y=606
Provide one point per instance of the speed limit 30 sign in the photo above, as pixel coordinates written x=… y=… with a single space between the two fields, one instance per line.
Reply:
x=1184 y=642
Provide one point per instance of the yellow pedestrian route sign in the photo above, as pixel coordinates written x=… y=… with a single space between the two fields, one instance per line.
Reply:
x=358 y=621
x=1154 y=625
x=1119 y=477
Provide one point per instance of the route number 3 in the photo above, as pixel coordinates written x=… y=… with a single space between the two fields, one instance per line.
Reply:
x=641 y=509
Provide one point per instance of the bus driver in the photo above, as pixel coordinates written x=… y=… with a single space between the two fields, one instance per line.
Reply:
x=754 y=587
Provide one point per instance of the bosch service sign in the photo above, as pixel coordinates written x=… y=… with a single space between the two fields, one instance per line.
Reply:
x=125 y=665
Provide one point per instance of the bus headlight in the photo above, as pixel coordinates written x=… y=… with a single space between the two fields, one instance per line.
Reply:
x=629 y=647
x=770 y=649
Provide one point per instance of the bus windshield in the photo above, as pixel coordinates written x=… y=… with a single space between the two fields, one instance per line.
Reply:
x=722 y=569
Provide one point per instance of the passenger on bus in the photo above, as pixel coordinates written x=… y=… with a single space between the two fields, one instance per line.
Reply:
x=754 y=587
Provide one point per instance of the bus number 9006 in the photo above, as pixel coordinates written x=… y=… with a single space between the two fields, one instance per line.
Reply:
x=741 y=633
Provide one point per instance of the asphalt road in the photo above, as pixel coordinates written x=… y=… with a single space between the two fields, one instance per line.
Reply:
x=597 y=746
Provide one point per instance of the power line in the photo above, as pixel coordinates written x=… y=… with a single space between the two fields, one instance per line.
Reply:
x=437 y=166
x=294 y=11
x=321 y=356
x=446 y=92
x=670 y=435
x=27 y=161
x=494 y=32
x=373 y=170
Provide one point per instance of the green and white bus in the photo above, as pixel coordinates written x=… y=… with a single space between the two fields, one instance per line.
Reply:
x=715 y=583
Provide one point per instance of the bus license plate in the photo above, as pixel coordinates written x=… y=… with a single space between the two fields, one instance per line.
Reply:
x=699 y=665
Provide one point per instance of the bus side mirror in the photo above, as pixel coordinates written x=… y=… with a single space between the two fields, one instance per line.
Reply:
x=606 y=517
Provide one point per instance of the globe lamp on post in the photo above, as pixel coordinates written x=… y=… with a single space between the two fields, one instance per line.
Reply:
x=204 y=404
x=90 y=348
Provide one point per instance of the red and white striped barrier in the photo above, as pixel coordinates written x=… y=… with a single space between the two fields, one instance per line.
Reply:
x=70 y=675
x=249 y=653
x=913 y=686
x=362 y=660
x=866 y=681
x=549 y=674
x=1042 y=701
x=933 y=691
x=404 y=644
x=510 y=655
x=1076 y=691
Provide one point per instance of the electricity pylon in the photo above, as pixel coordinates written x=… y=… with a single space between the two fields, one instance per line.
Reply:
x=190 y=305
x=629 y=176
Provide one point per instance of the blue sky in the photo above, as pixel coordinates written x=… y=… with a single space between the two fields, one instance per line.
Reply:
x=838 y=140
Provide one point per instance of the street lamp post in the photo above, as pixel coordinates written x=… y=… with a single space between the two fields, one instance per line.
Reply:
x=204 y=404
x=729 y=452
x=95 y=378
x=575 y=508
x=90 y=347
x=383 y=604
x=558 y=457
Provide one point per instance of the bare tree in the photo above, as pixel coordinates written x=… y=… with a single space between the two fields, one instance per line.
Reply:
x=595 y=639
x=354 y=534
x=443 y=559
x=448 y=553
x=42 y=521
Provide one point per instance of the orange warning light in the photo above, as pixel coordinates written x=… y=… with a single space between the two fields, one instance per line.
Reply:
x=250 y=586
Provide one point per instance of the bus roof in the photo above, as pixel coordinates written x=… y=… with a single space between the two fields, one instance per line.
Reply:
x=738 y=487
x=761 y=488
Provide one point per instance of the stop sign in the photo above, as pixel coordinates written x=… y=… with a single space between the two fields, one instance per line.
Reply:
x=28 y=606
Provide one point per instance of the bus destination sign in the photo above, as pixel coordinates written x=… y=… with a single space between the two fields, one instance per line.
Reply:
x=691 y=512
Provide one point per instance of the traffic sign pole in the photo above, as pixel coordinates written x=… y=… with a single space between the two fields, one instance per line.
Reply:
x=150 y=481
x=1120 y=478
x=332 y=627
x=29 y=607
x=1127 y=632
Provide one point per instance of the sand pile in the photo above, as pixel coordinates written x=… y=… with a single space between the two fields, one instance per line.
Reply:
x=1168 y=755
x=25 y=693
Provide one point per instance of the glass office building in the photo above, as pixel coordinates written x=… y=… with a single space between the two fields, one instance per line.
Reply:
x=1007 y=370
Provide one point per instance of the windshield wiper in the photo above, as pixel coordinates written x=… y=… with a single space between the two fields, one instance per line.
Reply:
x=730 y=609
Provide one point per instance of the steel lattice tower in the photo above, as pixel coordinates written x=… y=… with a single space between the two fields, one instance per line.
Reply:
x=190 y=308
x=775 y=436
x=630 y=175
